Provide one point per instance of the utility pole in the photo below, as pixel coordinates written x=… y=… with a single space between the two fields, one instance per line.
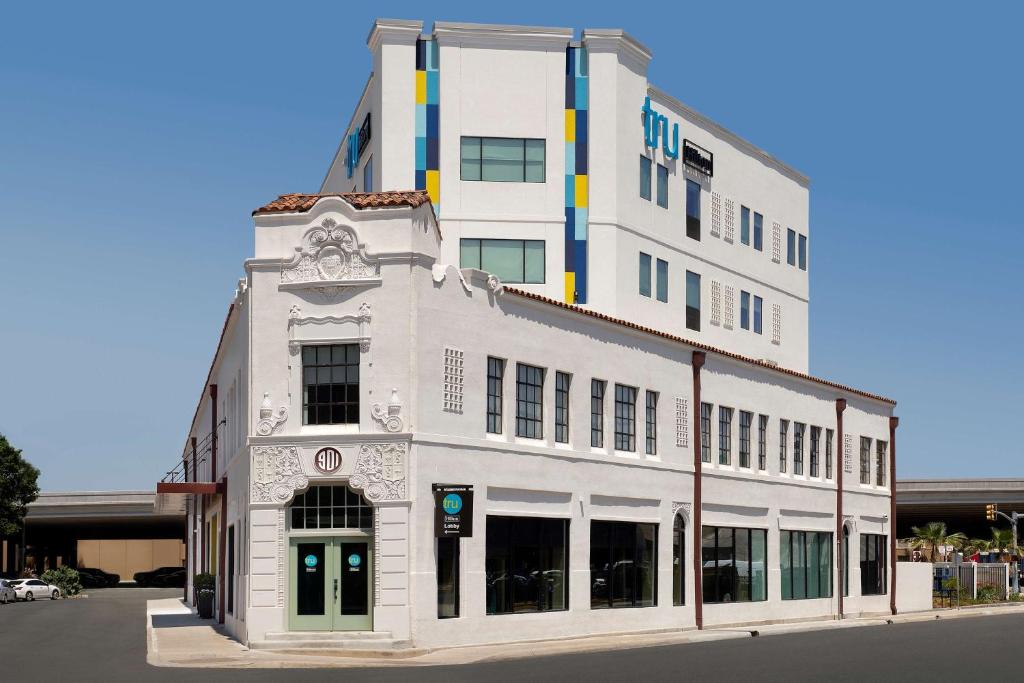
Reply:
x=991 y=510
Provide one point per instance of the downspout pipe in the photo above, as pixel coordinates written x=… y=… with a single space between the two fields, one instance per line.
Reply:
x=840 y=469
x=698 y=588
x=894 y=422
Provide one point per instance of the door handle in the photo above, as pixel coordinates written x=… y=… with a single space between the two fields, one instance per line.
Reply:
x=335 y=590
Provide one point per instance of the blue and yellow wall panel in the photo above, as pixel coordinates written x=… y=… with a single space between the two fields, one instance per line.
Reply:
x=576 y=185
x=428 y=97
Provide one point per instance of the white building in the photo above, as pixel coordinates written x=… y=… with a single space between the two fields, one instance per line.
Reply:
x=600 y=335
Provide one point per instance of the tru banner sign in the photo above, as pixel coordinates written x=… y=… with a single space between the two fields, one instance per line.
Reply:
x=453 y=510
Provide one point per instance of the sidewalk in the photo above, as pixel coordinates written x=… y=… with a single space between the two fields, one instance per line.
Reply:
x=176 y=637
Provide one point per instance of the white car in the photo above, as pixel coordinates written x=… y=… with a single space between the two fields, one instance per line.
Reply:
x=7 y=593
x=34 y=589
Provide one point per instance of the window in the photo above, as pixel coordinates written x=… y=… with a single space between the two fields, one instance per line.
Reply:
x=806 y=564
x=745 y=225
x=330 y=507
x=625 y=418
x=645 y=178
x=662 y=186
x=745 y=310
x=762 y=442
x=645 y=274
x=757 y=314
x=597 y=387
x=783 y=437
x=447 y=577
x=513 y=261
x=662 y=280
x=865 y=460
x=368 y=175
x=693 y=210
x=503 y=159
x=230 y=578
x=734 y=564
x=652 y=422
x=846 y=561
x=693 y=301
x=526 y=564
x=758 y=231
x=828 y=453
x=562 y=382
x=791 y=247
x=678 y=561
x=495 y=394
x=798 y=447
x=623 y=565
x=529 y=401
x=872 y=564
x=724 y=435
x=745 y=420
x=330 y=375
x=881 y=449
x=705 y=432
x=803 y=252
x=815 y=438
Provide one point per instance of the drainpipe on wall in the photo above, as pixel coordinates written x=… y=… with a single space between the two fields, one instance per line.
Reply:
x=698 y=588
x=893 y=423
x=841 y=467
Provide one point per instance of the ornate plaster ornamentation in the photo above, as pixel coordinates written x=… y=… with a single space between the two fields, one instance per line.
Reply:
x=494 y=284
x=454 y=378
x=380 y=471
x=359 y=323
x=440 y=271
x=685 y=508
x=330 y=258
x=390 y=418
x=276 y=474
x=269 y=421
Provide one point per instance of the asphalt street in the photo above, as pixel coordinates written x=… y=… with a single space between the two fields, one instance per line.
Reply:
x=103 y=638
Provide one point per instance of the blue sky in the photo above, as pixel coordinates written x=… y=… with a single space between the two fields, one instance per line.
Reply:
x=135 y=140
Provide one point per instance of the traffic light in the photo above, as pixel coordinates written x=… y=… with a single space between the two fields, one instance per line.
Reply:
x=990 y=512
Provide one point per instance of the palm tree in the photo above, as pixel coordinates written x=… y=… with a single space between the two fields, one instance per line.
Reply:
x=1002 y=539
x=976 y=545
x=934 y=535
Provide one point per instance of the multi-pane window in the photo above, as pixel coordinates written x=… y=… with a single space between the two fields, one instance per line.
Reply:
x=873 y=575
x=803 y=252
x=662 y=279
x=651 y=410
x=529 y=401
x=645 y=178
x=597 y=387
x=865 y=460
x=798 y=447
x=330 y=507
x=562 y=382
x=745 y=419
x=757 y=314
x=330 y=384
x=828 y=453
x=692 y=301
x=705 y=432
x=662 y=186
x=625 y=418
x=881 y=451
x=735 y=564
x=503 y=159
x=758 y=231
x=495 y=394
x=745 y=310
x=783 y=438
x=623 y=564
x=806 y=559
x=678 y=561
x=724 y=435
x=645 y=274
x=526 y=564
x=815 y=442
x=513 y=261
x=762 y=442
x=692 y=210
x=744 y=225
x=791 y=247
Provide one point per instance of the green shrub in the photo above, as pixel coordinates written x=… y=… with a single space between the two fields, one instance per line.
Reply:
x=988 y=593
x=64 y=578
x=204 y=582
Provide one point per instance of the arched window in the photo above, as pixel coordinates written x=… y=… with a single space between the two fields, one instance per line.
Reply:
x=678 y=565
x=331 y=507
x=846 y=560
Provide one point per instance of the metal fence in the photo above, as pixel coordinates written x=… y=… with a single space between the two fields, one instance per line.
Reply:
x=973 y=576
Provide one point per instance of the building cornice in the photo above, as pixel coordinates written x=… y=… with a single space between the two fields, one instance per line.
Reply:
x=403 y=31
x=618 y=41
x=501 y=36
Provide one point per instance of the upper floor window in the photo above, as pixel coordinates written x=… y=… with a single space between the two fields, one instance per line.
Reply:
x=513 y=261
x=662 y=279
x=562 y=382
x=495 y=394
x=803 y=252
x=744 y=225
x=798 y=447
x=745 y=310
x=645 y=274
x=791 y=247
x=693 y=301
x=745 y=419
x=705 y=432
x=692 y=210
x=757 y=314
x=881 y=452
x=652 y=422
x=783 y=437
x=662 y=186
x=645 y=178
x=762 y=442
x=503 y=159
x=724 y=435
x=597 y=387
x=529 y=401
x=865 y=460
x=828 y=453
x=330 y=384
x=625 y=418
x=815 y=443
x=758 y=231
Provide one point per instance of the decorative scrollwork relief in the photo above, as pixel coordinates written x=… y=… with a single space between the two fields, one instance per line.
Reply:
x=494 y=284
x=390 y=418
x=330 y=257
x=276 y=474
x=685 y=509
x=380 y=471
x=269 y=421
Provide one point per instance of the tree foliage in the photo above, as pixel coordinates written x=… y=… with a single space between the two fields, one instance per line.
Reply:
x=65 y=578
x=19 y=486
x=934 y=535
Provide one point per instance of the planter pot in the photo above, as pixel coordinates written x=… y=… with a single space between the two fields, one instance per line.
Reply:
x=204 y=603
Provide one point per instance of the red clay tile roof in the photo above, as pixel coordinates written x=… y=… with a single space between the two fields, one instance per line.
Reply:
x=299 y=203
x=696 y=345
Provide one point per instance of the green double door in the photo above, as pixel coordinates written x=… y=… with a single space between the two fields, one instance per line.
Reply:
x=330 y=585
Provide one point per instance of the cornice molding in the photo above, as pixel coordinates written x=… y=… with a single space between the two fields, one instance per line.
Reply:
x=618 y=41
x=403 y=31
x=501 y=36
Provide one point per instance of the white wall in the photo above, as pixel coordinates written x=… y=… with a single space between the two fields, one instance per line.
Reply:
x=914 y=586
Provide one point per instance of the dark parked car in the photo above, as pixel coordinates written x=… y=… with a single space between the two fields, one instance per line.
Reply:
x=175 y=579
x=97 y=578
x=155 y=577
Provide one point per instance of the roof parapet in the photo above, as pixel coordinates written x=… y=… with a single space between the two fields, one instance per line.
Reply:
x=495 y=35
x=393 y=30
x=618 y=41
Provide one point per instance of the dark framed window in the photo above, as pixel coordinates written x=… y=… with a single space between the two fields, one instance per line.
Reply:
x=791 y=247
x=623 y=565
x=693 y=210
x=447 y=577
x=873 y=575
x=705 y=431
x=645 y=274
x=846 y=561
x=693 y=301
x=562 y=382
x=330 y=507
x=651 y=413
x=678 y=561
x=762 y=442
x=625 y=418
x=745 y=310
x=757 y=314
x=597 y=388
x=758 y=231
x=734 y=564
x=806 y=560
x=783 y=438
x=815 y=452
x=529 y=401
x=662 y=186
x=230 y=578
x=526 y=564
x=645 y=178
x=881 y=458
x=744 y=225
x=798 y=447
x=724 y=435
x=828 y=453
x=865 y=460
x=368 y=175
x=495 y=394
x=745 y=419
x=803 y=252
x=514 y=160
x=513 y=261
x=662 y=279
x=330 y=384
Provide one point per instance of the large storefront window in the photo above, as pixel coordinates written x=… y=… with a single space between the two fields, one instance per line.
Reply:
x=872 y=564
x=806 y=564
x=623 y=564
x=527 y=564
x=331 y=507
x=734 y=564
